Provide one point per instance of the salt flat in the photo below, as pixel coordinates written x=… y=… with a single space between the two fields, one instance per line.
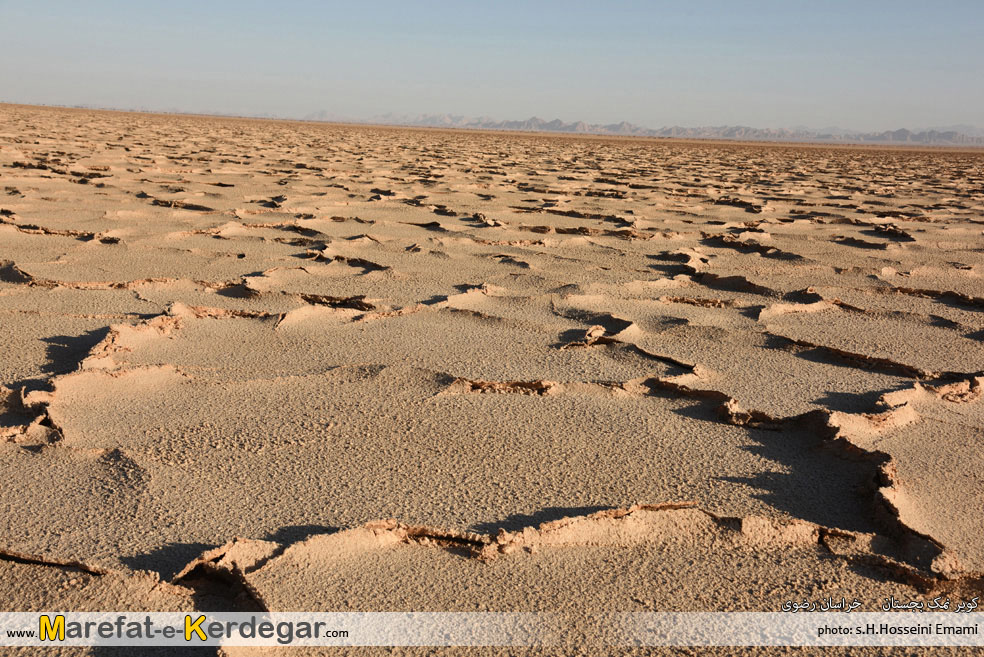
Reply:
x=300 y=366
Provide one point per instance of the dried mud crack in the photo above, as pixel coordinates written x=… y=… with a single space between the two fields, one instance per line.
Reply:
x=705 y=377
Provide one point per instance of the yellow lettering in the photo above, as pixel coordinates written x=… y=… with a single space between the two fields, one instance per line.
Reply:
x=195 y=627
x=52 y=631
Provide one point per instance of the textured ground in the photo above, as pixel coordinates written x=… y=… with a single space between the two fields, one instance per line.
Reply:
x=286 y=333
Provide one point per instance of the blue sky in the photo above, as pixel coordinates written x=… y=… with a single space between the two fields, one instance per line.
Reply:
x=863 y=65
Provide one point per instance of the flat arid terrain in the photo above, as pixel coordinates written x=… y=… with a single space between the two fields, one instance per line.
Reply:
x=255 y=365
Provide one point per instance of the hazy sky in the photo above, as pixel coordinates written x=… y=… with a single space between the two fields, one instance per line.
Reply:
x=860 y=64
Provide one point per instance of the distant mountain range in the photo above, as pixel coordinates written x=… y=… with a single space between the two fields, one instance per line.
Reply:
x=948 y=136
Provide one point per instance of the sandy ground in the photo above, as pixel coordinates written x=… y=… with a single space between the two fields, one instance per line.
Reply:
x=286 y=366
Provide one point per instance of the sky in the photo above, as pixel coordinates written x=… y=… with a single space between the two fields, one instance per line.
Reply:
x=865 y=65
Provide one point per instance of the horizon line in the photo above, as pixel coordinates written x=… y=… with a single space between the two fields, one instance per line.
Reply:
x=842 y=142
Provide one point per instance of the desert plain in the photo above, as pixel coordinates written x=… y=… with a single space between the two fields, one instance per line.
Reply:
x=286 y=366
